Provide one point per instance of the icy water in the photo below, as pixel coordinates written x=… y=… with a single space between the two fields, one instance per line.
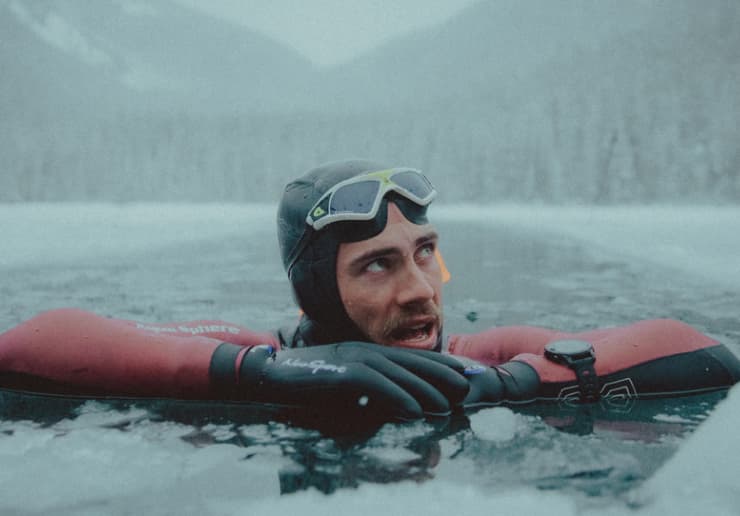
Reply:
x=93 y=457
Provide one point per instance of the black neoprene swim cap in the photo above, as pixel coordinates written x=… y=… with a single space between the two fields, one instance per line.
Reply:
x=310 y=256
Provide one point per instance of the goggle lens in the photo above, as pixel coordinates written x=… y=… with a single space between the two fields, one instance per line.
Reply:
x=354 y=198
x=414 y=183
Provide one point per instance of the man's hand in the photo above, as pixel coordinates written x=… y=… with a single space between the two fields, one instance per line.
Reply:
x=346 y=378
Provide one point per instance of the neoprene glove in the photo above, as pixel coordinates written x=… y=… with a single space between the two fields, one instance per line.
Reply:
x=346 y=378
x=510 y=382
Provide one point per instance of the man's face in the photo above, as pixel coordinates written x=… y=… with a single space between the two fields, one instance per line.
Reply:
x=391 y=284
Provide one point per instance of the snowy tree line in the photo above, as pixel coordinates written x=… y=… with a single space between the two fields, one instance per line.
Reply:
x=650 y=121
x=613 y=146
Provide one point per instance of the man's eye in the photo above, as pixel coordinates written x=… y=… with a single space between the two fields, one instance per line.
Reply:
x=376 y=266
x=426 y=251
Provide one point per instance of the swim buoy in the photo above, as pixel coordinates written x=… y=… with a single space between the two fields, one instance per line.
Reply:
x=78 y=353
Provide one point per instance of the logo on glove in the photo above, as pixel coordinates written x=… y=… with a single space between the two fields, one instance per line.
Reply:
x=314 y=365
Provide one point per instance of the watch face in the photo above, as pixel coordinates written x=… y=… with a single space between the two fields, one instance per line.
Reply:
x=569 y=347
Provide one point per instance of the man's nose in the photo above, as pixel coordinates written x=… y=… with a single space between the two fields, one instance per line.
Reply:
x=416 y=286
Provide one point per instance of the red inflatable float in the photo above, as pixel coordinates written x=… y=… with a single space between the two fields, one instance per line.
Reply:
x=78 y=353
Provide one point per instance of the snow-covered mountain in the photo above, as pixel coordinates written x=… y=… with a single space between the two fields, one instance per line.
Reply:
x=126 y=54
x=519 y=49
x=492 y=46
x=160 y=54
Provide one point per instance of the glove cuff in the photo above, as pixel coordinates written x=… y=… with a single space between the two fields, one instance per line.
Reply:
x=223 y=369
x=235 y=372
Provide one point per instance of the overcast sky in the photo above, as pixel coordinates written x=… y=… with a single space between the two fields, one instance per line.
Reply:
x=332 y=31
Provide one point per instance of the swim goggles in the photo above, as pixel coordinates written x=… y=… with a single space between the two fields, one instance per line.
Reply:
x=359 y=198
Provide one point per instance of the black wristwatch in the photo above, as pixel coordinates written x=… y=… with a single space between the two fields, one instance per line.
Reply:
x=579 y=356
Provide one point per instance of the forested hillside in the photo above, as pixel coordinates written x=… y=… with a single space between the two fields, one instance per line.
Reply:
x=644 y=111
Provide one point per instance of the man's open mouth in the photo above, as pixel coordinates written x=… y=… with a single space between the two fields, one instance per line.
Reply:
x=415 y=334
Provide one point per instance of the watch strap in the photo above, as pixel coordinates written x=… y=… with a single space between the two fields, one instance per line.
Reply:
x=588 y=381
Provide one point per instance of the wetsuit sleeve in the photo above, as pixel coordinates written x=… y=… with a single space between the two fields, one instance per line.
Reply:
x=69 y=351
x=499 y=345
x=221 y=330
x=646 y=359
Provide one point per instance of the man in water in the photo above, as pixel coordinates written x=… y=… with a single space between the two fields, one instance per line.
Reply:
x=361 y=256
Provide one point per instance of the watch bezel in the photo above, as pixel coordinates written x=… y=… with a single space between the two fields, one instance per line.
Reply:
x=567 y=351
